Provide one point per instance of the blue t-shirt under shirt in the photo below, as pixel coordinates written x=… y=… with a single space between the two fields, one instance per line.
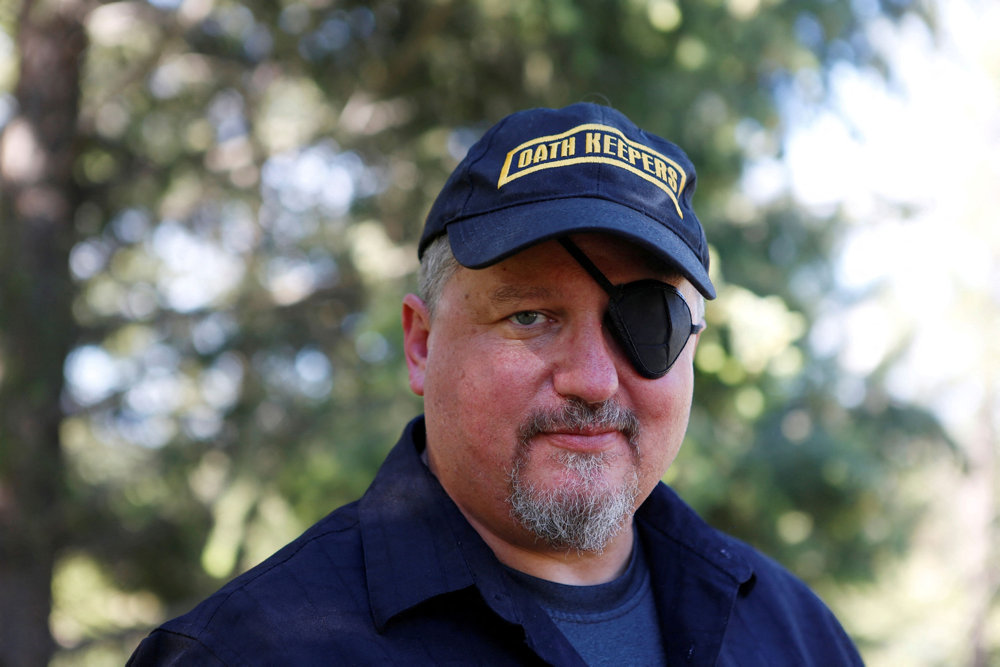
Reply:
x=608 y=624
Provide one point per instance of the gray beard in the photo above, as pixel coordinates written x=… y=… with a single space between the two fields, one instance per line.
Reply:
x=585 y=514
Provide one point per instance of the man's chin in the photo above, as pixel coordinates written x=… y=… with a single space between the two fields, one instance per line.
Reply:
x=570 y=509
x=572 y=487
x=577 y=473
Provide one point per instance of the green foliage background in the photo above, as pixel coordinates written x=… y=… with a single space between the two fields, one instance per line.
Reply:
x=250 y=179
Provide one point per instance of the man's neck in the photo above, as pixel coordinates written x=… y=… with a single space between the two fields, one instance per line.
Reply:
x=564 y=566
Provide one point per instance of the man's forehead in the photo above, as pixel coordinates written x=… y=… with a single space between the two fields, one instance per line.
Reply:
x=510 y=292
x=526 y=275
x=609 y=251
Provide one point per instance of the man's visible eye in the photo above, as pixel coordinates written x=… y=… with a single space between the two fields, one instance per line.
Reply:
x=526 y=318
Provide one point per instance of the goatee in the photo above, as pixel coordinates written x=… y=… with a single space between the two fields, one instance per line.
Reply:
x=585 y=513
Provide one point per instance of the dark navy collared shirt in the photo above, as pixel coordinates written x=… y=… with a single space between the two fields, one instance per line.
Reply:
x=401 y=578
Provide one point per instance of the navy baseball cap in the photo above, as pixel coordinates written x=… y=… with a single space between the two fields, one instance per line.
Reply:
x=544 y=173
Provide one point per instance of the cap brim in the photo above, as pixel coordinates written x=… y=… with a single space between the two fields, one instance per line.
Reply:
x=485 y=239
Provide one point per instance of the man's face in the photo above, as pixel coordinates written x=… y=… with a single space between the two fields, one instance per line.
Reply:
x=532 y=410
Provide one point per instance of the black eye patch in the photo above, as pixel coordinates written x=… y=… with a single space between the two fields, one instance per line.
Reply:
x=650 y=319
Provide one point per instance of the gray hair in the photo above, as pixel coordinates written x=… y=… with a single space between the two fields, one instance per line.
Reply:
x=437 y=266
x=698 y=308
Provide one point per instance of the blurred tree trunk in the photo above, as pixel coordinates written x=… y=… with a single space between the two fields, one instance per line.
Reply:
x=38 y=196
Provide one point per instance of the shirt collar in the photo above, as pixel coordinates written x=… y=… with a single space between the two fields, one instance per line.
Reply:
x=417 y=544
x=696 y=586
x=669 y=518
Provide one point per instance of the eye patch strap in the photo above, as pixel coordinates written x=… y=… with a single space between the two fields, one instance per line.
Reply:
x=589 y=266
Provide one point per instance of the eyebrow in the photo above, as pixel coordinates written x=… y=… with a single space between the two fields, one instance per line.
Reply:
x=506 y=294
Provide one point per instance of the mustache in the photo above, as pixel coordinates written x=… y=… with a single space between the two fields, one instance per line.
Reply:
x=576 y=414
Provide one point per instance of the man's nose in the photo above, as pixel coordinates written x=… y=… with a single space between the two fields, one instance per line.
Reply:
x=587 y=364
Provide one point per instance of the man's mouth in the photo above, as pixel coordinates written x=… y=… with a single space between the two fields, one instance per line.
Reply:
x=584 y=440
x=582 y=426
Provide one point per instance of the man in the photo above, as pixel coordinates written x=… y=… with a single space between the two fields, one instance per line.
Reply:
x=522 y=520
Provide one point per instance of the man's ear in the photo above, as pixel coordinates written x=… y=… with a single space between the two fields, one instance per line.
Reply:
x=416 y=331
